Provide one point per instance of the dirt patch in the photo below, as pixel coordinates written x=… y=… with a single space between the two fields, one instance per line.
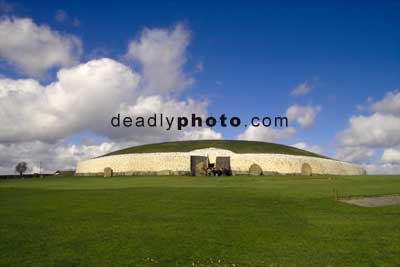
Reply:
x=373 y=201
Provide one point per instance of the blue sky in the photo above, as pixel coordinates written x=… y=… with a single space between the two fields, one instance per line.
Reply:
x=252 y=56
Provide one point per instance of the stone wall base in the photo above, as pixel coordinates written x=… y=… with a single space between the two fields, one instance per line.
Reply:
x=186 y=173
x=139 y=173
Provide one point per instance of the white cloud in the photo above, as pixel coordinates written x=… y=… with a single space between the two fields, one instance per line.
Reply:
x=198 y=134
x=162 y=54
x=36 y=118
x=382 y=168
x=312 y=148
x=64 y=156
x=82 y=98
x=301 y=89
x=50 y=157
x=391 y=155
x=367 y=133
x=58 y=155
x=390 y=104
x=86 y=97
x=303 y=115
x=147 y=106
x=355 y=154
x=33 y=48
x=376 y=130
x=51 y=125
x=266 y=134
x=379 y=129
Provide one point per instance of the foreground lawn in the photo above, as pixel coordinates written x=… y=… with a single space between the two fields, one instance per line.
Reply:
x=197 y=221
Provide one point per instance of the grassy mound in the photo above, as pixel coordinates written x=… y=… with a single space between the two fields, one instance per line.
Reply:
x=233 y=145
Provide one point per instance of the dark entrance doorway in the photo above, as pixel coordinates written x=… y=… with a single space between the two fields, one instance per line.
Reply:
x=223 y=163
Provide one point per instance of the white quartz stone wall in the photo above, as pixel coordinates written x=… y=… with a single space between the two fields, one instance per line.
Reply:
x=290 y=164
x=180 y=162
x=146 y=162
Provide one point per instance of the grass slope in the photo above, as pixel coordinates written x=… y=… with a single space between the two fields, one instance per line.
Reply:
x=233 y=145
x=197 y=221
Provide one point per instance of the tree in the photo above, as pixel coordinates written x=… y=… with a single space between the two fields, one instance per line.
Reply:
x=21 y=167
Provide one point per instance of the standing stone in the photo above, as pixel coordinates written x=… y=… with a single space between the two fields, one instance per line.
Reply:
x=197 y=164
x=200 y=169
x=255 y=170
x=108 y=172
x=306 y=169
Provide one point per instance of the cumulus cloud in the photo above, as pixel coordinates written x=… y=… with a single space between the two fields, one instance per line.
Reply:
x=305 y=146
x=147 y=106
x=301 y=89
x=376 y=130
x=390 y=104
x=355 y=154
x=382 y=168
x=33 y=48
x=162 y=55
x=86 y=97
x=391 y=155
x=381 y=128
x=36 y=118
x=366 y=134
x=62 y=155
x=50 y=157
x=200 y=134
x=303 y=115
x=266 y=134
x=81 y=98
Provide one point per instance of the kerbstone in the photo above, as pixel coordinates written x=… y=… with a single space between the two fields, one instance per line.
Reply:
x=108 y=172
x=255 y=170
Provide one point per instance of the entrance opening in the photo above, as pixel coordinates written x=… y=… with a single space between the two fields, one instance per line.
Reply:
x=223 y=165
x=201 y=166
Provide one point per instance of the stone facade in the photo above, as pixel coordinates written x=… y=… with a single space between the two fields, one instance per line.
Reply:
x=289 y=164
x=178 y=163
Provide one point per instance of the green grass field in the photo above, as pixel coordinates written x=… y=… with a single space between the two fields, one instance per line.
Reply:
x=197 y=221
